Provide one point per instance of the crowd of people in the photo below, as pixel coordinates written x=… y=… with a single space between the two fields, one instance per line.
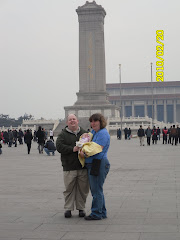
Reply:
x=170 y=136
x=12 y=137
x=127 y=133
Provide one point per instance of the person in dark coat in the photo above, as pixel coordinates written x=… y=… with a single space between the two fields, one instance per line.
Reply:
x=49 y=147
x=165 y=133
x=170 y=136
x=41 y=138
x=148 y=134
x=178 y=134
x=75 y=177
x=6 y=137
x=20 y=136
x=125 y=133
x=1 y=135
x=129 y=134
x=0 y=148
x=174 y=135
x=15 y=135
x=158 y=133
x=28 y=139
x=154 y=135
x=119 y=134
x=35 y=138
x=141 y=135
x=10 y=138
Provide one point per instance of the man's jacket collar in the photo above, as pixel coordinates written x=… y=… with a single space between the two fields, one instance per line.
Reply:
x=75 y=133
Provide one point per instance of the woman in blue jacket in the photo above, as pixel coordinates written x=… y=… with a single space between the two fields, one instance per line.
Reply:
x=101 y=137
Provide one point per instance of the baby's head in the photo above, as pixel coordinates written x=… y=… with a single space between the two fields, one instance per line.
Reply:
x=87 y=136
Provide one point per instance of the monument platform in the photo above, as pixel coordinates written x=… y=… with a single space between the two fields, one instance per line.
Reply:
x=142 y=193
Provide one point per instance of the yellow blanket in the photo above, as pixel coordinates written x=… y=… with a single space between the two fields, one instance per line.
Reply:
x=90 y=149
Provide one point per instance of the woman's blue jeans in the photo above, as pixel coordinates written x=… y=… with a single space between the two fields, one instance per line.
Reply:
x=98 y=209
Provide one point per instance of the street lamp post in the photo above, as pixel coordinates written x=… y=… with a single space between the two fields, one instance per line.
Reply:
x=152 y=97
x=120 y=102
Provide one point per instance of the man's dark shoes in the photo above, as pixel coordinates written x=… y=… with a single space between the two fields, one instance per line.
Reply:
x=91 y=218
x=67 y=214
x=82 y=213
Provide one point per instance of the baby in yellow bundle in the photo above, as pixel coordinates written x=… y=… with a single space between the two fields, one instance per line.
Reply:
x=84 y=138
x=87 y=146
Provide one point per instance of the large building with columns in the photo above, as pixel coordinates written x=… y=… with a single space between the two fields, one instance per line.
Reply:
x=137 y=98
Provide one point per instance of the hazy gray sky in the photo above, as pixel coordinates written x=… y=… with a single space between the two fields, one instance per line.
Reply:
x=39 y=71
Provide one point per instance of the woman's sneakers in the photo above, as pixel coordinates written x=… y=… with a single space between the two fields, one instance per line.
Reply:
x=90 y=217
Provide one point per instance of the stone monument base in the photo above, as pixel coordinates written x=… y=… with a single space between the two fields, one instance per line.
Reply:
x=85 y=111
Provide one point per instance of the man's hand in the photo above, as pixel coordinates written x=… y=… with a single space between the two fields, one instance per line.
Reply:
x=76 y=149
x=82 y=154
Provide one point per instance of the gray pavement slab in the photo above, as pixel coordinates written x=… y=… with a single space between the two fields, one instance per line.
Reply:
x=142 y=193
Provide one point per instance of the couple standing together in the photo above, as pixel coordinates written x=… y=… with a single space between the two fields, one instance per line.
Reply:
x=78 y=179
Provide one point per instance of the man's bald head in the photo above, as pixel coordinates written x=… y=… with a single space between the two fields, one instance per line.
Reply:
x=70 y=115
x=72 y=122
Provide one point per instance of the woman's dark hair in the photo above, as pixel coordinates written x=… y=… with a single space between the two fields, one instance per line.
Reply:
x=98 y=117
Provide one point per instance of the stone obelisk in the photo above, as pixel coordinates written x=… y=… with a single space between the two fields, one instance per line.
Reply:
x=92 y=95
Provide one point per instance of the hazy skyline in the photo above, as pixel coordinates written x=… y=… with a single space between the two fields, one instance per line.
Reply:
x=39 y=71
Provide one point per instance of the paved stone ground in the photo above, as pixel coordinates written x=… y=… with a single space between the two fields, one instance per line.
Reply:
x=142 y=194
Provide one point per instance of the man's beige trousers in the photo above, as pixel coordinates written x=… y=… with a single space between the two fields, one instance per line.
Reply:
x=76 y=189
x=141 y=141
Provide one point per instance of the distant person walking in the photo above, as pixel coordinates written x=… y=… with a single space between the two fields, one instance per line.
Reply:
x=174 y=135
x=1 y=136
x=129 y=134
x=125 y=133
x=0 y=148
x=178 y=134
x=165 y=133
x=158 y=133
x=170 y=136
x=34 y=137
x=28 y=140
x=141 y=135
x=15 y=135
x=154 y=135
x=6 y=137
x=10 y=138
x=148 y=133
x=119 y=133
x=45 y=133
x=41 y=138
x=51 y=134
x=20 y=136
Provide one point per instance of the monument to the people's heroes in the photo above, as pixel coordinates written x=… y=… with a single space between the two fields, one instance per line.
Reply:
x=92 y=95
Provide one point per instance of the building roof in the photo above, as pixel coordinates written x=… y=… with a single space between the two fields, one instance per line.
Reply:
x=144 y=97
x=143 y=84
